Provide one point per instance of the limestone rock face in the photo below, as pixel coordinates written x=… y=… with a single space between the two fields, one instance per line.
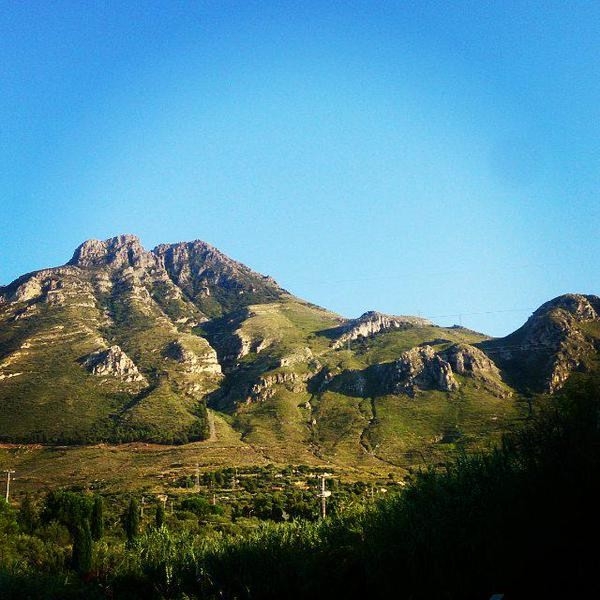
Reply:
x=51 y=286
x=194 y=363
x=471 y=361
x=265 y=387
x=542 y=354
x=118 y=252
x=419 y=368
x=113 y=362
x=372 y=322
x=580 y=307
x=416 y=369
x=213 y=280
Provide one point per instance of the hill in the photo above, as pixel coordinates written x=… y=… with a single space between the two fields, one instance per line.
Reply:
x=182 y=344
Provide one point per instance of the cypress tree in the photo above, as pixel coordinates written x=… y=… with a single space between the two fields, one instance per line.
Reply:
x=131 y=520
x=81 y=559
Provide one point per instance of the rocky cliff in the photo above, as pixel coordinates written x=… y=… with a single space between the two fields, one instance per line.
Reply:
x=113 y=362
x=214 y=282
x=372 y=323
x=418 y=369
x=559 y=338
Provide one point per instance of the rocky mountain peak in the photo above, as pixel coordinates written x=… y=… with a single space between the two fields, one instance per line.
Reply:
x=541 y=355
x=579 y=306
x=117 y=252
x=215 y=282
x=193 y=260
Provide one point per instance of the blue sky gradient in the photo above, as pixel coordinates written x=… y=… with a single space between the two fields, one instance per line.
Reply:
x=432 y=158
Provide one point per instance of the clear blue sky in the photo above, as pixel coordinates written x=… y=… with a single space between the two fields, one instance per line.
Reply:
x=433 y=158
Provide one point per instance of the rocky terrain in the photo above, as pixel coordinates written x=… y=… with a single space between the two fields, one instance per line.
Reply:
x=124 y=344
x=561 y=337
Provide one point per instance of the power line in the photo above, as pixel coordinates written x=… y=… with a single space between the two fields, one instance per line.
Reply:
x=483 y=312
x=407 y=276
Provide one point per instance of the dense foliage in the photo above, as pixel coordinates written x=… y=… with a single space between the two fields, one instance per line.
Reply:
x=520 y=520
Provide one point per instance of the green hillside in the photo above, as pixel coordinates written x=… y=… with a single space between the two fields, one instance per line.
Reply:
x=182 y=344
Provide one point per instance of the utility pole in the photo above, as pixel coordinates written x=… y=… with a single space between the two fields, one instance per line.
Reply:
x=197 y=477
x=142 y=507
x=323 y=494
x=8 y=473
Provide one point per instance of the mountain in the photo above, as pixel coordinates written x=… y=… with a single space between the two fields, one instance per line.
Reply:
x=123 y=344
x=561 y=337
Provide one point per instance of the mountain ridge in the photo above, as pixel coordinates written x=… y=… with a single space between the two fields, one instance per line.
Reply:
x=123 y=344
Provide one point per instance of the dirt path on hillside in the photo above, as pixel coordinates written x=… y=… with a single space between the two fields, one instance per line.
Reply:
x=211 y=426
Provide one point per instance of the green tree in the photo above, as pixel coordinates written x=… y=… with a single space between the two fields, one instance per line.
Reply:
x=73 y=510
x=68 y=508
x=97 y=519
x=8 y=523
x=131 y=520
x=198 y=505
x=81 y=558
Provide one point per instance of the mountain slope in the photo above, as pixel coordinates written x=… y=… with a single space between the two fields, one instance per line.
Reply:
x=215 y=283
x=126 y=344
x=560 y=337
x=54 y=322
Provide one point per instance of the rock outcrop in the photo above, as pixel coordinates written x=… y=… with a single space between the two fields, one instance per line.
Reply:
x=416 y=369
x=215 y=282
x=553 y=343
x=113 y=362
x=266 y=386
x=191 y=361
x=119 y=252
x=469 y=361
x=51 y=286
x=371 y=323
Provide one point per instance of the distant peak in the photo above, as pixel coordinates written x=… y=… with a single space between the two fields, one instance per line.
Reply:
x=372 y=323
x=121 y=250
x=215 y=282
x=581 y=306
x=125 y=239
x=393 y=320
x=194 y=248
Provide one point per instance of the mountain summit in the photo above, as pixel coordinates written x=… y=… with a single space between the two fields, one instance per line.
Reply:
x=213 y=281
x=124 y=344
